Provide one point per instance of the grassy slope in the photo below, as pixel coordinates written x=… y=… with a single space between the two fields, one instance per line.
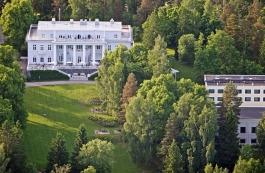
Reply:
x=63 y=109
x=185 y=71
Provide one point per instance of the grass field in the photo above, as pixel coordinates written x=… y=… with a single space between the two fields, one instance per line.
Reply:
x=62 y=109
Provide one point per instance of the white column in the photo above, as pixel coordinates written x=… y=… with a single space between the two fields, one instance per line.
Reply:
x=94 y=55
x=54 y=55
x=74 y=55
x=103 y=51
x=64 y=54
x=84 y=54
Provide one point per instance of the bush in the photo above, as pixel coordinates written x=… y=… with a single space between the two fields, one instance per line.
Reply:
x=104 y=120
x=46 y=75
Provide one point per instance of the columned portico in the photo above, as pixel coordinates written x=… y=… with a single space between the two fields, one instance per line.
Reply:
x=74 y=55
x=94 y=55
x=64 y=54
x=84 y=55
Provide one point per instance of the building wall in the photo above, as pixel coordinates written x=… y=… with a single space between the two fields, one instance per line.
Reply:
x=243 y=95
x=249 y=136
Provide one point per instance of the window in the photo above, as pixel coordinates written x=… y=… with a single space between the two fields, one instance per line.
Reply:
x=43 y=35
x=61 y=58
x=79 y=47
x=49 y=47
x=49 y=59
x=34 y=47
x=256 y=91
x=253 y=129
x=264 y=99
x=79 y=36
x=109 y=47
x=211 y=90
x=89 y=36
x=115 y=36
x=253 y=141
x=98 y=36
x=98 y=47
x=79 y=59
x=242 y=129
x=220 y=99
x=247 y=91
x=247 y=99
x=60 y=47
x=263 y=91
x=34 y=59
x=256 y=99
x=41 y=59
x=41 y=47
x=242 y=141
x=220 y=91
x=239 y=91
x=51 y=36
x=212 y=98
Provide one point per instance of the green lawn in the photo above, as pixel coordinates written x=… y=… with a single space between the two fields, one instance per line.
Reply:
x=62 y=109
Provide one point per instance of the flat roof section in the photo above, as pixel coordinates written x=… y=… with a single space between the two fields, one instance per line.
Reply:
x=251 y=112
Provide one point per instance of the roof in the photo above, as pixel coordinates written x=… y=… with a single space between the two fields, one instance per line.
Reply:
x=237 y=79
x=82 y=25
x=251 y=112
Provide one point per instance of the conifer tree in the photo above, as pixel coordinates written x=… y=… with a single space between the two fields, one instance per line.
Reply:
x=81 y=139
x=157 y=57
x=227 y=140
x=129 y=91
x=58 y=153
x=173 y=162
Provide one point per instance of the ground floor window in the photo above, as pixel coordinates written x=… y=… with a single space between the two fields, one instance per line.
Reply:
x=49 y=59
x=41 y=59
x=34 y=59
x=79 y=59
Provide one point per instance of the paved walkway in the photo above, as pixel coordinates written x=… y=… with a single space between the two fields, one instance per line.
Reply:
x=36 y=84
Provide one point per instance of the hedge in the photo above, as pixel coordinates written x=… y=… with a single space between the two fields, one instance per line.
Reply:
x=104 y=120
x=46 y=75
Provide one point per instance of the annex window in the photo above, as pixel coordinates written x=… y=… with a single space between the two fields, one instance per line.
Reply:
x=247 y=99
x=34 y=47
x=49 y=47
x=49 y=59
x=220 y=99
x=239 y=91
x=253 y=129
x=41 y=59
x=256 y=99
x=220 y=91
x=41 y=47
x=247 y=91
x=211 y=90
x=256 y=91
x=253 y=141
x=242 y=141
x=109 y=47
x=34 y=59
x=242 y=129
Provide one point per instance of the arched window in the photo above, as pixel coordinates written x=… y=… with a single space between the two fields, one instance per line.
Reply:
x=89 y=36
x=79 y=36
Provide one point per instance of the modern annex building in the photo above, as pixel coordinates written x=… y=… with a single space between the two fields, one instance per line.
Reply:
x=251 y=89
x=68 y=45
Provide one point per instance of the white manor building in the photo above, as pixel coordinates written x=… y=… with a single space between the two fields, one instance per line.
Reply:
x=251 y=89
x=64 y=45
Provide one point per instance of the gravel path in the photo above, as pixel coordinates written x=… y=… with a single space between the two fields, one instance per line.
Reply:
x=36 y=84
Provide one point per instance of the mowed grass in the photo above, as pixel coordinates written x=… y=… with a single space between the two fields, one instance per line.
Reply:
x=62 y=109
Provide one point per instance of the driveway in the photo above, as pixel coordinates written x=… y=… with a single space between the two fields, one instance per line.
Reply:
x=36 y=84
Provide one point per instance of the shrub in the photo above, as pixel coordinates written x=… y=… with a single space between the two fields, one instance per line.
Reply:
x=104 y=120
x=46 y=75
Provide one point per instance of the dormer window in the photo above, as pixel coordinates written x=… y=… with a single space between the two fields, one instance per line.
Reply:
x=98 y=36
x=89 y=36
x=79 y=37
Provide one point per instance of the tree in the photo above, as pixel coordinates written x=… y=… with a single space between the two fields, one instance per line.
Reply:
x=80 y=140
x=58 y=153
x=6 y=112
x=12 y=89
x=129 y=90
x=64 y=9
x=227 y=140
x=248 y=166
x=210 y=169
x=4 y=160
x=11 y=139
x=42 y=8
x=79 y=9
x=173 y=162
x=186 y=48
x=61 y=169
x=8 y=56
x=247 y=152
x=218 y=58
x=15 y=30
x=89 y=169
x=261 y=136
x=97 y=153
x=157 y=57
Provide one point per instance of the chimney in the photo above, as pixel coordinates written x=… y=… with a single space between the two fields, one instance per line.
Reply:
x=71 y=21
x=111 y=21
x=53 y=20
x=97 y=22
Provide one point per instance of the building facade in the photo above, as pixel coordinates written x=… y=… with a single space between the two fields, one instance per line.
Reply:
x=251 y=90
x=74 y=44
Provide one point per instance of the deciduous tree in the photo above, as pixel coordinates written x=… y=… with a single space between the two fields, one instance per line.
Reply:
x=186 y=49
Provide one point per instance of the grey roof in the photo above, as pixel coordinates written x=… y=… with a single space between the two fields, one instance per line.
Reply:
x=251 y=112
x=237 y=79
